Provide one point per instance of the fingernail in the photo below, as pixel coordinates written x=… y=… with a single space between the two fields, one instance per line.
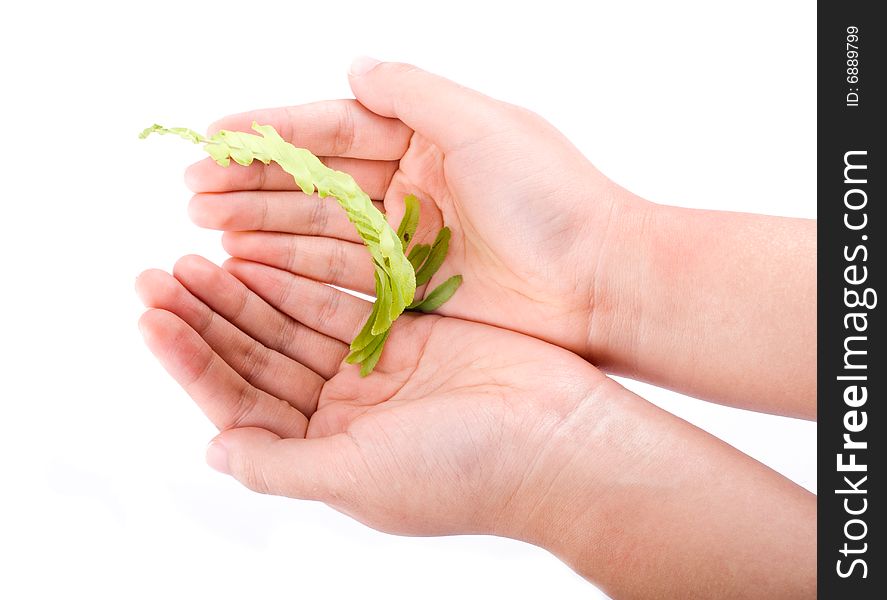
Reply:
x=217 y=457
x=362 y=65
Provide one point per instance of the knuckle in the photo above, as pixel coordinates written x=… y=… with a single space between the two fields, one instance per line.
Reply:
x=253 y=476
x=319 y=218
x=244 y=407
x=254 y=361
x=293 y=254
x=288 y=294
x=344 y=136
x=286 y=334
x=242 y=297
x=206 y=323
x=329 y=307
x=257 y=176
x=264 y=211
x=336 y=262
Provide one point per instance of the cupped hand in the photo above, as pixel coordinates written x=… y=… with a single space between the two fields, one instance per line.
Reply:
x=533 y=223
x=441 y=438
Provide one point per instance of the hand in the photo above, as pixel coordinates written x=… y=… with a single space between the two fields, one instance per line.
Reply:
x=547 y=246
x=436 y=441
x=465 y=428
x=530 y=216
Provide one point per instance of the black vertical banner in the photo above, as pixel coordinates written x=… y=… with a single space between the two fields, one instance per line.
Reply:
x=852 y=370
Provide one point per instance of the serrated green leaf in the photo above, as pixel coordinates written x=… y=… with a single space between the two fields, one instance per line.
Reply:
x=435 y=257
x=396 y=285
x=396 y=275
x=438 y=295
x=410 y=221
x=418 y=254
x=182 y=132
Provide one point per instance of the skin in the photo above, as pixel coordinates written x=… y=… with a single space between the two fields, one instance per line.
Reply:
x=491 y=419
x=448 y=438
x=547 y=245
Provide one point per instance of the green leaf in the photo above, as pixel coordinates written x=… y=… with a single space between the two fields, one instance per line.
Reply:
x=366 y=334
x=360 y=356
x=183 y=132
x=385 y=301
x=369 y=363
x=435 y=257
x=396 y=278
x=418 y=254
x=438 y=295
x=410 y=221
x=396 y=275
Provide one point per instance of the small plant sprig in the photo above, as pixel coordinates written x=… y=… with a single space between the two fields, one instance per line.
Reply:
x=425 y=260
x=396 y=274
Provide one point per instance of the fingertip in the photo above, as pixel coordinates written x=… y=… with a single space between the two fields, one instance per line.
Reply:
x=246 y=454
x=217 y=456
x=193 y=178
x=191 y=263
x=144 y=324
x=141 y=281
x=231 y=264
x=148 y=282
x=199 y=176
x=152 y=322
x=243 y=269
x=250 y=273
x=242 y=121
x=197 y=210
x=232 y=241
x=209 y=211
x=443 y=111
x=361 y=65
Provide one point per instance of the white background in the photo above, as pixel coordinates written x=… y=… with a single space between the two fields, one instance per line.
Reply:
x=101 y=454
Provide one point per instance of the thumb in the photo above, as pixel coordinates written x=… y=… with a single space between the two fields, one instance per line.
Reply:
x=309 y=469
x=446 y=113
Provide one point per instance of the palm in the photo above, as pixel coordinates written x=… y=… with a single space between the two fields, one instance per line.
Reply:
x=532 y=275
x=271 y=357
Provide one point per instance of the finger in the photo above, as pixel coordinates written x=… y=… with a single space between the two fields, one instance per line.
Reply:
x=223 y=395
x=448 y=114
x=329 y=128
x=321 y=307
x=227 y=296
x=328 y=260
x=310 y=469
x=261 y=367
x=373 y=176
x=285 y=212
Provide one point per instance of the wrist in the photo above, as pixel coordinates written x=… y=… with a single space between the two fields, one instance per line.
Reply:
x=673 y=287
x=565 y=496
x=614 y=314
x=644 y=504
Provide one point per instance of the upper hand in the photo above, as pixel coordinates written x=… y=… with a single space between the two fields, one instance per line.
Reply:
x=531 y=218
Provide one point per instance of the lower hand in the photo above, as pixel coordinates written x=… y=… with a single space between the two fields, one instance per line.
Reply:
x=465 y=428
x=436 y=440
